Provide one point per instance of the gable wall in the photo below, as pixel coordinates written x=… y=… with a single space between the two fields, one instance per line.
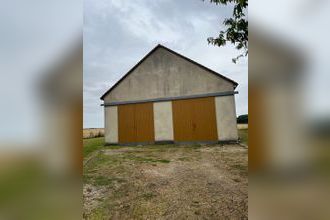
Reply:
x=164 y=74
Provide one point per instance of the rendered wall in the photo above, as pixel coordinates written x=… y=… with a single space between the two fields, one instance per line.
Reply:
x=163 y=121
x=226 y=118
x=164 y=74
x=111 y=124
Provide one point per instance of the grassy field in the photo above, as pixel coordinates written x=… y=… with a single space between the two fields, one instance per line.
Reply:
x=164 y=182
x=93 y=132
x=92 y=144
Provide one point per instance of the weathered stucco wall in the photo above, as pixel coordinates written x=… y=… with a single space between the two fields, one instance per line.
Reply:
x=164 y=74
x=111 y=124
x=163 y=121
x=226 y=118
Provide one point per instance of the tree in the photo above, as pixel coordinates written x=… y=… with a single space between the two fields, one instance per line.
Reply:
x=236 y=28
x=243 y=119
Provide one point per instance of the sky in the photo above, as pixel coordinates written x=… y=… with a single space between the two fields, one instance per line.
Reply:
x=117 y=34
x=33 y=38
x=301 y=24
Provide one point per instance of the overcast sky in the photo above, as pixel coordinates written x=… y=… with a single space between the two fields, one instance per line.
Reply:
x=33 y=39
x=117 y=34
x=301 y=24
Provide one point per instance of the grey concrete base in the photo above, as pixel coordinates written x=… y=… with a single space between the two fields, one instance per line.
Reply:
x=110 y=144
x=136 y=144
x=164 y=142
x=174 y=142
x=194 y=142
x=229 y=142
x=140 y=143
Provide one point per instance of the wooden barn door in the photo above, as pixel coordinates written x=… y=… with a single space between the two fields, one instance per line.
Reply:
x=194 y=120
x=136 y=123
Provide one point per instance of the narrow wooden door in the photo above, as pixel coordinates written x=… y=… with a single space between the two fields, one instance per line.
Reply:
x=126 y=124
x=135 y=123
x=194 y=120
x=144 y=123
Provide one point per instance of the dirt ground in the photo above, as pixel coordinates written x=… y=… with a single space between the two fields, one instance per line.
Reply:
x=166 y=182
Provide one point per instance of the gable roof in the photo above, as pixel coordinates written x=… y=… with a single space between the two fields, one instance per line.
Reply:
x=175 y=53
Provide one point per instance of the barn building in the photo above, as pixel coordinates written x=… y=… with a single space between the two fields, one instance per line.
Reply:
x=169 y=98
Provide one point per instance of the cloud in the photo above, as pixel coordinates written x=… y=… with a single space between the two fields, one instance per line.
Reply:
x=35 y=35
x=117 y=34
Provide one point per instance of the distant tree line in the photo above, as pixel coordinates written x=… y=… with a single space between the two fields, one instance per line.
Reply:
x=242 y=119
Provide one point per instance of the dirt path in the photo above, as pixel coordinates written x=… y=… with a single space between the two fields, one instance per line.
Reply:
x=167 y=182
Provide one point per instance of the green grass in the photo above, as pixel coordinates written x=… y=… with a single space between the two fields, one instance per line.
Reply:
x=92 y=144
x=244 y=136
